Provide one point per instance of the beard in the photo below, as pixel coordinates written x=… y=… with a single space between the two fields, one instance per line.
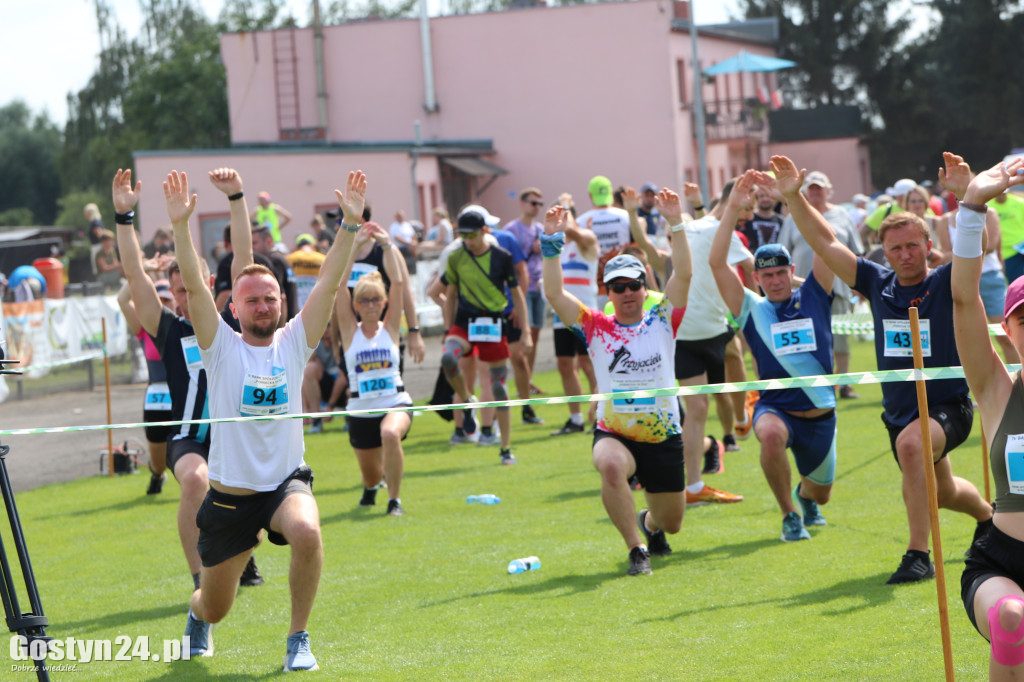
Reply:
x=263 y=329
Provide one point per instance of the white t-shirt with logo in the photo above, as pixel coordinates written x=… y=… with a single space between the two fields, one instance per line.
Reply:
x=705 y=310
x=611 y=227
x=246 y=380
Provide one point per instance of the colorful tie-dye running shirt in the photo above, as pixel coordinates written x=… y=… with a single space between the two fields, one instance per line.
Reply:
x=630 y=358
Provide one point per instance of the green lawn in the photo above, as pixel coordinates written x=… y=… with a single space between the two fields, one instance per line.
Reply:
x=426 y=596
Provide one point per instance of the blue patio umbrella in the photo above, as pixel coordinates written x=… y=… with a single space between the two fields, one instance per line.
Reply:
x=746 y=62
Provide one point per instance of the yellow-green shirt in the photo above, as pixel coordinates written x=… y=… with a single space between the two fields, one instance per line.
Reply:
x=1011 y=222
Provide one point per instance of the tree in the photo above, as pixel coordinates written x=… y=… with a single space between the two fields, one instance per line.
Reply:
x=29 y=146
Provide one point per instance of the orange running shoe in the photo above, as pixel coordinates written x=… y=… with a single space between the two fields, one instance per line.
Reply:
x=709 y=494
x=743 y=430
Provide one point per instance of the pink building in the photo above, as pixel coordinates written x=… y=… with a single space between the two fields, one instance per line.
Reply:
x=547 y=97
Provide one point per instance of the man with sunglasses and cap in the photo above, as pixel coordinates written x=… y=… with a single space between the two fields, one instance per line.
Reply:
x=632 y=350
x=475 y=278
x=790 y=334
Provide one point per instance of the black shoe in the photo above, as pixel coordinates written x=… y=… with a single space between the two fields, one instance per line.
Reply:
x=507 y=458
x=530 y=417
x=369 y=497
x=639 y=561
x=914 y=566
x=712 y=460
x=251 y=575
x=156 y=484
x=394 y=508
x=569 y=428
x=657 y=543
x=730 y=444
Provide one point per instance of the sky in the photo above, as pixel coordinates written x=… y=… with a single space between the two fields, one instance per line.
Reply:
x=56 y=43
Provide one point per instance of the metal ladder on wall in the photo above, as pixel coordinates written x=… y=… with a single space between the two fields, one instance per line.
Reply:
x=286 y=81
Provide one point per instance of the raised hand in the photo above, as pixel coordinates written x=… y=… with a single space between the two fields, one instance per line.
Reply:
x=691 y=191
x=669 y=206
x=788 y=178
x=179 y=206
x=227 y=180
x=630 y=199
x=989 y=184
x=353 y=200
x=364 y=235
x=380 y=234
x=554 y=219
x=956 y=176
x=125 y=197
x=742 y=196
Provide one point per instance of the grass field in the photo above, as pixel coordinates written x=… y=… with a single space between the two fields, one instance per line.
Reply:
x=426 y=596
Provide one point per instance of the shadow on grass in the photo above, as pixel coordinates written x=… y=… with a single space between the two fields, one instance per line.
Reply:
x=572 y=584
x=732 y=551
x=118 y=619
x=570 y=495
x=191 y=670
x=871 y=591
x=862 y=465
x=136 y=503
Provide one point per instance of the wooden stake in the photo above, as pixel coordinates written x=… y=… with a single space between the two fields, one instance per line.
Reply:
x=106 y=376
x=933 y=500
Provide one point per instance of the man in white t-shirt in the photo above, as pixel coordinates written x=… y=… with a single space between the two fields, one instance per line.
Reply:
x=609 y=224
x=258 y=479
x=701 y=348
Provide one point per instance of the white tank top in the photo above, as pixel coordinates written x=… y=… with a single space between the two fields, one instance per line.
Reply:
x=989 y=262
x=579 y=277
x=373 y=375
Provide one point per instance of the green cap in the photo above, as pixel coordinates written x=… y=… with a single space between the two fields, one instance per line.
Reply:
x=600 y=189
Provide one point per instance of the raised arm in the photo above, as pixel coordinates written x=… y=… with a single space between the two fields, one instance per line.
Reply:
x=343 y=311
x=124 y=302
x=728 y=280
x=395 y=267
x=691 y=192
x=656 y=258
x=987 y=376
x=565 y=305
x=143 y=291
x=228 y=180
x=677 y=288
x=812 y=225
x=417 y=349
x=317 y=310
x=586 y=240
x=202 y=310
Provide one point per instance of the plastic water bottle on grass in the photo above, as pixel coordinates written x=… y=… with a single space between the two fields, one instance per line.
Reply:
x=483 y=499
x=530 y=563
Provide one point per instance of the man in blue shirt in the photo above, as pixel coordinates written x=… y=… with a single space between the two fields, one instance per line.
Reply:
x=910 y=283
x=790 y=334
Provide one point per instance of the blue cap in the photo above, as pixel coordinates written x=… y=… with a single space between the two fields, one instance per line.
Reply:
x=771 y=256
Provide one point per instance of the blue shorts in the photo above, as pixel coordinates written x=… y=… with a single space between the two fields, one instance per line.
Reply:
x=535 y=308
x=812 y=441
x=993 y=292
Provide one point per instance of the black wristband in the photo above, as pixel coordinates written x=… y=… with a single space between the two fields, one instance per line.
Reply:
x=236 y=196
x=699 y=208
x=414 y=330
x=124 y=218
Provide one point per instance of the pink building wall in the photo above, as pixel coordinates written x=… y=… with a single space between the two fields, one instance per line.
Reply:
x=610 y=106
x=844 y=160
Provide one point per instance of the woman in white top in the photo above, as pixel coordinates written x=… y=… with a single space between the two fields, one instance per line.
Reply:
x=368 y=321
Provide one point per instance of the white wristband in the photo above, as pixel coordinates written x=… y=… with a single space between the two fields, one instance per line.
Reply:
x=678 y=228
x=969 y=228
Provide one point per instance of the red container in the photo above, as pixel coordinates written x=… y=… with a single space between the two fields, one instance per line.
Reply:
x=52 y=271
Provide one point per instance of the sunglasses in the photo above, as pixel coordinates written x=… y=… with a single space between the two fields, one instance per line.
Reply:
x=370 y=301
x=620 y=287
x=534 y=202
x=469 y=235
